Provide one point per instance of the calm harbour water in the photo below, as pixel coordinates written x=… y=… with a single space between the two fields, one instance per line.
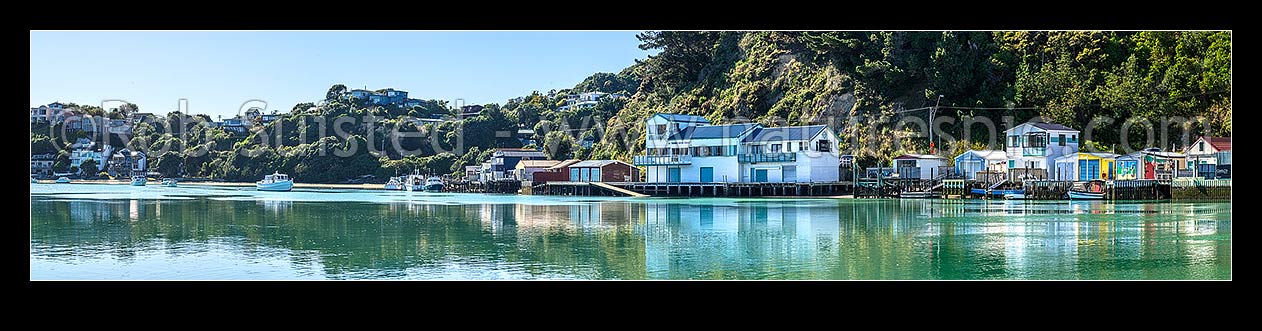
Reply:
x=85 y=231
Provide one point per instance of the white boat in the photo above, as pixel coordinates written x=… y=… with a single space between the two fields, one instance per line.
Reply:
x=394 y=184
x=275 y=182
x=33 y=180
x=434 y=184
x=168 y=182
x=414 y=183
x=63 y=180
x=917 y=194
x=138 y=180
x=1015 y=195
x=1090 y=190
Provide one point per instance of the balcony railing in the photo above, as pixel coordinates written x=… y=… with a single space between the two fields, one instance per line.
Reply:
x=1034 y=151
x=768 y=157
x=648 y=160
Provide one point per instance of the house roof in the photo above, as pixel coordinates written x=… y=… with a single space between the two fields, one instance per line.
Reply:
x=537 y=163
x=1095 y=154
x=1220 y=143
x=1044 y=126
x=565 y=163
x=1169 y=155
x=684 y=118
x=712 y=131
x=918 y=156
x=1052 y=126
x=596 y=163
x=985 y=154
x=784 y=133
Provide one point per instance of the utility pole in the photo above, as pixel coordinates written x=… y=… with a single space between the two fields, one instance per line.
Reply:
x=931 y=112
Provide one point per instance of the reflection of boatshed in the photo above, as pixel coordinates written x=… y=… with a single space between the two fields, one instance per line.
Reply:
x=1085 y=166
x=971 y=162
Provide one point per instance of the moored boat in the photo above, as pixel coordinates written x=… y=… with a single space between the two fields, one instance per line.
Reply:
x=168 y=182
x=63 y=180
x=275 y=182
x=434 y=184
x=917 y=194
x=394 y=184
x=414 y=183
x=1089 y=190
x=138 y=180
x=1014 y=195
x=33 y=180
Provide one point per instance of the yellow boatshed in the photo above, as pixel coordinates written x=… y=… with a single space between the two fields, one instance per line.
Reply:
x=1085 y=166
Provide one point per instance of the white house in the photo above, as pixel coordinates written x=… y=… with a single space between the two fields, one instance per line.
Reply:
x=48 y=113
x=922 y=166
x=78 y=155
x=586 y=99
x=684 y=148
x=1210 y=150
x=971 y=162
x=1037 y=145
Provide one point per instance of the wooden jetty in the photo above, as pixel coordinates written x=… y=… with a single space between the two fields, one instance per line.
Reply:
x=695 y=189
x=1200 y=189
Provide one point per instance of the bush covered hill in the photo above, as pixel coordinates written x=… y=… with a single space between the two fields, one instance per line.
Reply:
x=857 y=82
x=838 y=77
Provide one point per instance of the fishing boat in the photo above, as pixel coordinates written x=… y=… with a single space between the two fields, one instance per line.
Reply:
x=138 y=180
x=434 y=184
x=394 y=184
x=275 y=182
x=1089 y=190
x=168 y=182
x=414 y=182
x=63 y=180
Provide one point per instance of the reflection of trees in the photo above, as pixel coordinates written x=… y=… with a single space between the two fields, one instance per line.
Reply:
x=378 y=240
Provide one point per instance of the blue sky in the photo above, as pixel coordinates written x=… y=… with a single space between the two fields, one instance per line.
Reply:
x=218 y=71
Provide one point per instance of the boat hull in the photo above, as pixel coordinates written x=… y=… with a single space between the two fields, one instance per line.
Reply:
x=63 y=180
x=137 y=183
x=1077 y=195
x=393 y=187
x=918 y=195
x=276 y=187
x=434 y=188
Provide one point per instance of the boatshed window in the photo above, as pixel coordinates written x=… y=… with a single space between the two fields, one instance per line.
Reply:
x=824 y=146
x=1061 y=139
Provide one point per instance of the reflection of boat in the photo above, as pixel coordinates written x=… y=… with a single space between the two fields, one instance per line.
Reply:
x=168 y=182
x=138 y=180
x=434 y=184
x=394 y=184
x=63 y=180
x=275 y=182
x=1089 y=190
